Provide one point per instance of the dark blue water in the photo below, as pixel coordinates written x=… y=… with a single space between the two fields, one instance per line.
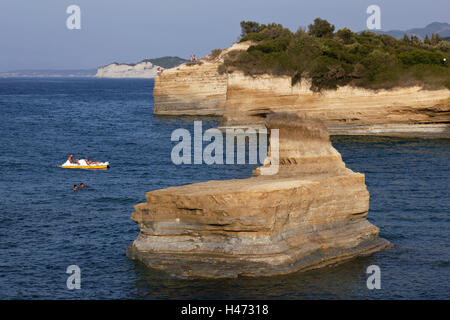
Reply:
x=45 y=226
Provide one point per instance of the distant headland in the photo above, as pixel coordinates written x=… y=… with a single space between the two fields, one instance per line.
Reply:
x=147 y=68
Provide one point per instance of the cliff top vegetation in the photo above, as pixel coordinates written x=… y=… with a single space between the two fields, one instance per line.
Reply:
x=330 y=58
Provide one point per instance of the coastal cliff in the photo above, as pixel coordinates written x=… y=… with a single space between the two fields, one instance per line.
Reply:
x=312 y=213
x=194 y=88
x=246 y=100
x=409 y=111
x=357 y=83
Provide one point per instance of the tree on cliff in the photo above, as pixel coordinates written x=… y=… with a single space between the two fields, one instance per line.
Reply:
x=249 y=27
x=435 y=38
x=321 y=28
x=329 y=60
x=346 y=35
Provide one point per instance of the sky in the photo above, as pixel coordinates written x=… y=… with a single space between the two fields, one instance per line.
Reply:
x=33 y=34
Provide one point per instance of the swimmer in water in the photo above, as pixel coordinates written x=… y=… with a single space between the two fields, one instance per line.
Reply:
x=75 y=187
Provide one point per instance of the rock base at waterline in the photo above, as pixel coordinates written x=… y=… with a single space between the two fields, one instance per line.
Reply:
x=310 y=214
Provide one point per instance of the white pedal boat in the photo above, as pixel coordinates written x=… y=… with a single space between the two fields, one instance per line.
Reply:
x=84 y=165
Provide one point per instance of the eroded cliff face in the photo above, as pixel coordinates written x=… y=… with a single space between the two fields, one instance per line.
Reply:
x=246 y=100
x=196 y=89
x=193 y=88
x=410 y=111
x=310 y=214
x=143 y=69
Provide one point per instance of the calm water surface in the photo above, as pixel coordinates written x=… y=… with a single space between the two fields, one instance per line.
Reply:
x=45 y=226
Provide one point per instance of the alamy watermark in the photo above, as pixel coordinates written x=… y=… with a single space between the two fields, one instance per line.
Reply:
x=74 y=20
x=74 y=280
x=374 y=280
x=236 y=143
x=374 y=20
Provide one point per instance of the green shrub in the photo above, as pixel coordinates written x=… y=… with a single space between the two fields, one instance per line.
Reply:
x=377 y=62
x=330 y=59
x=346 y=35
x=421 y=57
x=253 y=36
x=249 y=27
x=215 y=53
x=321 y=28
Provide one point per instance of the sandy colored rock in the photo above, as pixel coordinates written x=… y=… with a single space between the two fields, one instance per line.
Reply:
x=410 y=111
x=245 y=101
x=193 y=89
x=310 y=214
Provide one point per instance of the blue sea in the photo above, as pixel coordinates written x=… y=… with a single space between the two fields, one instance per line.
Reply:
x=46 y=227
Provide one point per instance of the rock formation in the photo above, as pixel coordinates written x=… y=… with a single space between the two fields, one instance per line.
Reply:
x=193 y=88
x=144 y=69
x=410 y=111
x=310 y=214
x=245 y=100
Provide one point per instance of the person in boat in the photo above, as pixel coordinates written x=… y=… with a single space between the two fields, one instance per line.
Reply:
x=89 y=162
x=70 y=159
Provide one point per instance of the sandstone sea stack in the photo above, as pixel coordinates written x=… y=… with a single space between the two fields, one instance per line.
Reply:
x=310 y=214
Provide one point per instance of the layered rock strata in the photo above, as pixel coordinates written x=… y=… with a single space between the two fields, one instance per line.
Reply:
x=310 y=214
x=244 y=100
x=410 y=111
x=194 y=88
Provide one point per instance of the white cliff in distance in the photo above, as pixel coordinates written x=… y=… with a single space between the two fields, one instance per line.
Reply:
x=144 y=69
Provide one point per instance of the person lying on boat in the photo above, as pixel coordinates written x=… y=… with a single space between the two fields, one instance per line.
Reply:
x=70 y=159
x=89 y=162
